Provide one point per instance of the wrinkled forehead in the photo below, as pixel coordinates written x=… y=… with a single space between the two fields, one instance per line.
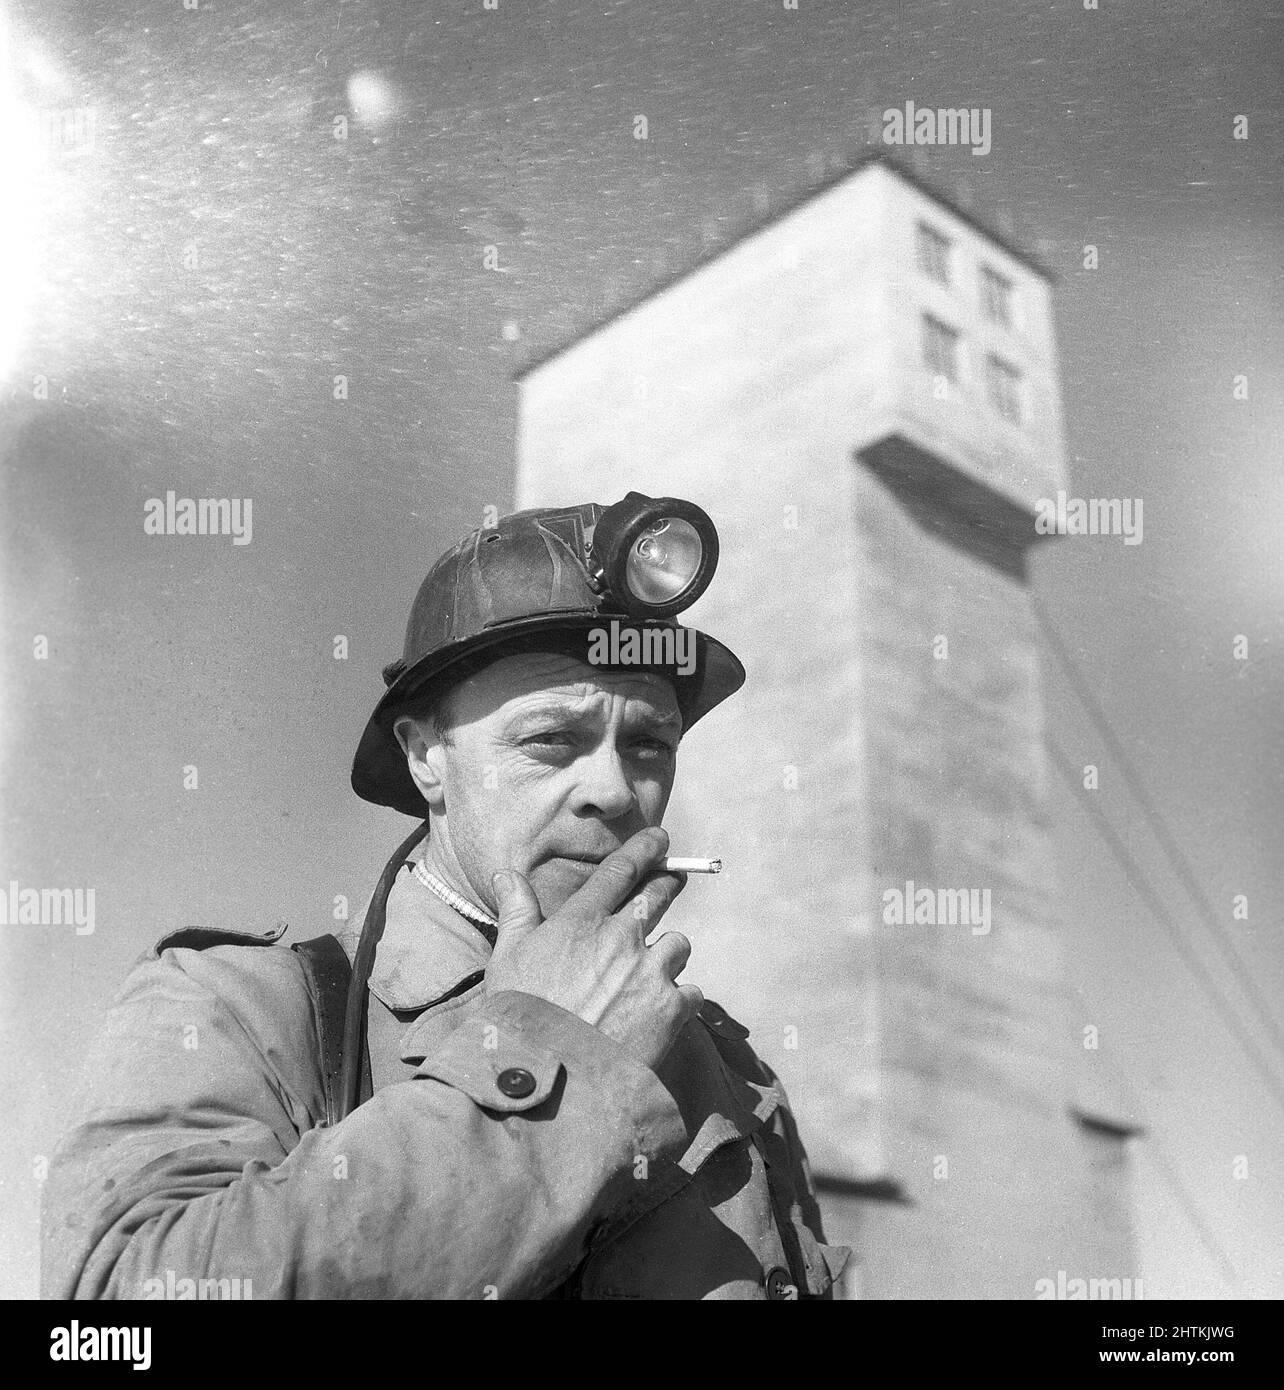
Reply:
x=551 y=681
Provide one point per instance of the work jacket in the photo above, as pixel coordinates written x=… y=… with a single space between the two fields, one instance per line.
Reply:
x=510 y=1149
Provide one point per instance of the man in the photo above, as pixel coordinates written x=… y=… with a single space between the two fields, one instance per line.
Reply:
x=501 y=1090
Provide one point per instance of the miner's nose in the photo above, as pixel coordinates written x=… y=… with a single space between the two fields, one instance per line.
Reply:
x=603 y=789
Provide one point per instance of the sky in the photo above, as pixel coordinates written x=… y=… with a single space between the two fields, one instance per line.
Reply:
x=183 y=285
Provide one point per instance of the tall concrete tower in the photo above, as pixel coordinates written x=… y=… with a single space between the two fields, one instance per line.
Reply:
x=864 y=395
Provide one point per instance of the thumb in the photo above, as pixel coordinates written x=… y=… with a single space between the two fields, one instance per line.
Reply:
x=517 y=907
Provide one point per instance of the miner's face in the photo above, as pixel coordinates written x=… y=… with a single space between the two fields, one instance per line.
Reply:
x=549 y=765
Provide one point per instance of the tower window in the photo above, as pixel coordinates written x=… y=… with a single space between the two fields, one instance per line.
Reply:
x=996 y=296
x=1003 y=384
x=933 y=253
x=940 y=348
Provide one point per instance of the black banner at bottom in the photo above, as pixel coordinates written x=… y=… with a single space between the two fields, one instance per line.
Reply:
x=179 y=1338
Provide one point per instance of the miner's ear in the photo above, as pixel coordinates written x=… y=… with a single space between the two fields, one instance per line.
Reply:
x=407 y=732
x=423 y=749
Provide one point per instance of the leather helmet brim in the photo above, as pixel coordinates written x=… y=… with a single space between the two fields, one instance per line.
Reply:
x=379 y=770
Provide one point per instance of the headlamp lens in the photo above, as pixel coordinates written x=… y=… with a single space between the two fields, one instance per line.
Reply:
x=663 y=560
x=652 y=556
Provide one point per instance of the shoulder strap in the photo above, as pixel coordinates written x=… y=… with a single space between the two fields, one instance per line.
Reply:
x=329 y=976
x=354 y=1082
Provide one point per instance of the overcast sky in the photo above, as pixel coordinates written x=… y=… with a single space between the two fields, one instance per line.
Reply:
x=190 y=286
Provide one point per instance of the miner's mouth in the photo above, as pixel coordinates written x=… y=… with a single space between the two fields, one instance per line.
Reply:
x=582 y=861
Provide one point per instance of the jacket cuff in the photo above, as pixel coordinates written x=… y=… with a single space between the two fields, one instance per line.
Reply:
x=508 y=1052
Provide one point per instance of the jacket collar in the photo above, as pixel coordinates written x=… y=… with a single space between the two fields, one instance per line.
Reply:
x=427 y=949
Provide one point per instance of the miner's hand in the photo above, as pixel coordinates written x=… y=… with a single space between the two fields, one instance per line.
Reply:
x=591 y=956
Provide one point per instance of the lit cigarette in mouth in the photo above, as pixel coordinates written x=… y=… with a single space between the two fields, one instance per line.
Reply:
x=693 y=866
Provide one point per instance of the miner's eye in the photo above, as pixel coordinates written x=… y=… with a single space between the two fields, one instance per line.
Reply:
x=553 y=738
x=649 y=743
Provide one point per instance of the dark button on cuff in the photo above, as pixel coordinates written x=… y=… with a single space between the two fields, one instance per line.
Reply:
x=515 y=1082
x=779 y=1284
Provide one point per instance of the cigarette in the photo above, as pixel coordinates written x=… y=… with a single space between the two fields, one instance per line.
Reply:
x=693 y=866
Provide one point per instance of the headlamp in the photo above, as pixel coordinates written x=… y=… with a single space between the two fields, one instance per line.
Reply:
x=653 y=555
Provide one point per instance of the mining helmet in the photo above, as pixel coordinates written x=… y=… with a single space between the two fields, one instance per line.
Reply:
x=545 y=579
